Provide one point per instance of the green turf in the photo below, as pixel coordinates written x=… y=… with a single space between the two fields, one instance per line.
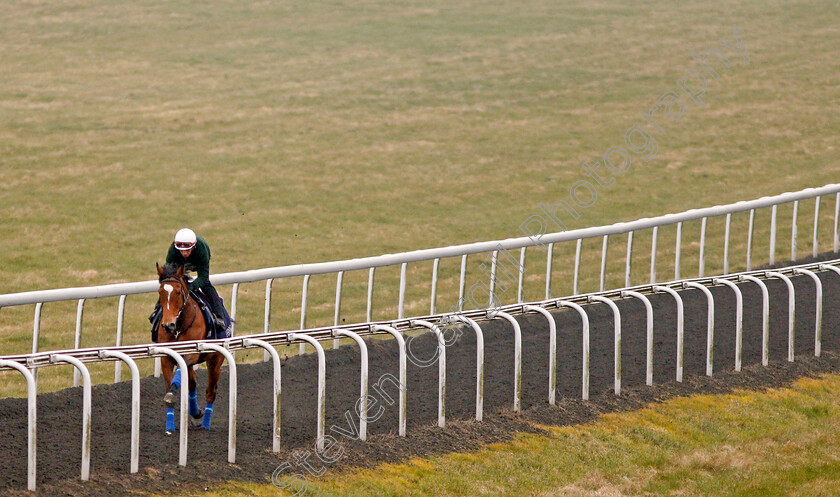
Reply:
x=304 y=131
x=776 y=443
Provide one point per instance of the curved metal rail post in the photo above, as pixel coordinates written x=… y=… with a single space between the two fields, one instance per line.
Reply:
x=231 y=395
x=234 y=299
x=135 y=403
x=552 y=350
x=493 y=266
x=36 y=328
x=794 y=231
x=433 y=296
x=267 y=324
x=739 y=319
x=120 y=321
x=680 y=326
x=77 y=339
x=648 y=334
x=339 y=278
x=604 y=247
x=363 y=395
x=678 y=255
x=267 y=320
x=86 y=400
x=369 y=310
x=303 y=301
x=520 y=290
x=403 y=380
x=816 y=241
x=517 y=356
x=726 y=243
x=441 y=367
x=791 y=310
x=617 y=335
x=836 y=220
x=31 y=422
x=701 y=271
x=585 y=324
x=750 y=230
x=819 y=309
x=653 y=241
x=322 y=373
x=548 y=260
x=36 y=333
x=182 y=434
x=479 y=363
x=710 y=324
x=401 y=305
x=462 y=282
x=575 y=287
x=629 y=264
x=773 y=215
x=765 y=316
x=275 y=358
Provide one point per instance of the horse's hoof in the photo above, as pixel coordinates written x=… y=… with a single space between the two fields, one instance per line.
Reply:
x=197 y=419
x=169 y=433
x=169 y=400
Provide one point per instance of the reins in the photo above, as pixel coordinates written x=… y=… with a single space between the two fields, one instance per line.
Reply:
x=185 y=298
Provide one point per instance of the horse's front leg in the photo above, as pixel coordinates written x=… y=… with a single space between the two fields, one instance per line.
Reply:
x=195 y=412
x=214 y=369
x=173 y=380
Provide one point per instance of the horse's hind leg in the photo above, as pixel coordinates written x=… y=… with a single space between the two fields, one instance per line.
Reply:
x=214 y=369
x=195 y=412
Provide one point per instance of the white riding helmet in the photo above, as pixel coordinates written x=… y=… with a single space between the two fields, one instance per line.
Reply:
x=185 y=239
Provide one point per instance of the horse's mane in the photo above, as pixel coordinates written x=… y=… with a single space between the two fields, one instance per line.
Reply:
x=169 y=271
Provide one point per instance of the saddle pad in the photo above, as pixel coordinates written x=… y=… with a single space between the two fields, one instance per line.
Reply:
x=206 y=310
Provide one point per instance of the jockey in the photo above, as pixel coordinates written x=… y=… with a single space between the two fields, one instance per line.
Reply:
x=193 y=253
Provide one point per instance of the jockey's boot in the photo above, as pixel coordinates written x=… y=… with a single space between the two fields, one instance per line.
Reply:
x=155 y=318
x=216 y=306
x=218 y=314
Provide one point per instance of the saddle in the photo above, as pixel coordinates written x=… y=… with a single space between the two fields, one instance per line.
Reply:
x=213 y=332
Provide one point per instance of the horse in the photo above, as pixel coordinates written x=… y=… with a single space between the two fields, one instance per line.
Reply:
x=183 y=320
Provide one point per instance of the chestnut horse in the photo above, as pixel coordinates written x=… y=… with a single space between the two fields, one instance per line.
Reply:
x=182 y=320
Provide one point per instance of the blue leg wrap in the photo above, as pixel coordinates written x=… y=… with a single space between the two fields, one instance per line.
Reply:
x=176 y=380
x=193 y=405
x=208 y=413
x=170 y=420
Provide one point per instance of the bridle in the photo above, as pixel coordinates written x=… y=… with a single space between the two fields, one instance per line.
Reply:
x=184 y=300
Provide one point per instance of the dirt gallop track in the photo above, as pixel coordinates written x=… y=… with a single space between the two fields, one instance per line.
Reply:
x=59 y=413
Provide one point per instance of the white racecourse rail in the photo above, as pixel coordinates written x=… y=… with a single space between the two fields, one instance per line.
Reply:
x=39 y=298
x=79 y=357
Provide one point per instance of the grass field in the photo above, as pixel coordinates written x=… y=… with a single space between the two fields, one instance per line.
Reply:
x=776 y=443
x=312 y=131
x=304 y=131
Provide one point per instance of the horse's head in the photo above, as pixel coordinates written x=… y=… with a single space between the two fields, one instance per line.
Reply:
x=173 y=293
